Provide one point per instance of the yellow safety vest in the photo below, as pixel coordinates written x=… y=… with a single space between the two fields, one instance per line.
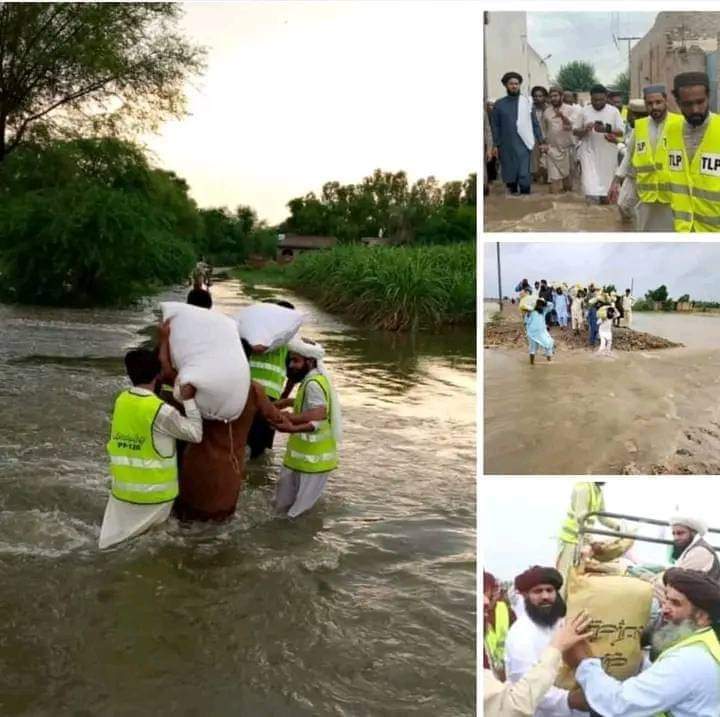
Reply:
x=651 y=170
x=496 y=636
x=270 y=371
x=695 y=184
x=314 y=452
x=570 y=528
x=623 y=113
x=705 y=637
x=139 y=473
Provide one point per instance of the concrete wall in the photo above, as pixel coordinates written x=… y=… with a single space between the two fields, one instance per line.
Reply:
x=506 y=49
x=677 y=42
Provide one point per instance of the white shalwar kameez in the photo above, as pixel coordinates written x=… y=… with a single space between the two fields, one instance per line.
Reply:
x=685 y=683
x=525 y=643
x=296 y=492
x=598 y=157
x=124 y=520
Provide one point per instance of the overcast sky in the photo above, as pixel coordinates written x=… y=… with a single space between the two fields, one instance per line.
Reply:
x=300 y=93
x=521 y=517
x=586 y=36
x=684 y=268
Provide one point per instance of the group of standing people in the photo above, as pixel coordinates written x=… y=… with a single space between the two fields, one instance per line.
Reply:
x=662 y=168
x=527 y=637
x=543 y=305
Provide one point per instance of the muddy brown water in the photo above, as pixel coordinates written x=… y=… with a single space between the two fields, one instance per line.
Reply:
x=541 y=211
x=643 y=411
x=366 y=606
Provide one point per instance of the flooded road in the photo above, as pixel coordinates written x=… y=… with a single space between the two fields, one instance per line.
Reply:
x=544 y=212
x=640 y=411
x=365 y=606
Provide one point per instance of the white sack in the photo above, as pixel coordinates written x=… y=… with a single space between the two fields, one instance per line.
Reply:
x=268 y=325
x=206 y=351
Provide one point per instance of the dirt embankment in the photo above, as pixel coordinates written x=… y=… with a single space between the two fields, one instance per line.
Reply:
x=509 y=332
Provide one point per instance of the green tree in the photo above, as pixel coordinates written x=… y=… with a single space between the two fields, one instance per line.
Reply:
x=577 y=76
x=684 y=299
x=659 y=294
x=609 y=288
x=82 y=69
x=622 y=84
x=90 y=221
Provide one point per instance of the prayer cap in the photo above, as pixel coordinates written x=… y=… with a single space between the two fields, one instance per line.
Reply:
x=686 y=79
x=306 y=348
x=698 y=587
x=489 y=581
x=538 y=575
x=693 y=523
x=654 y=89
x=511 y=75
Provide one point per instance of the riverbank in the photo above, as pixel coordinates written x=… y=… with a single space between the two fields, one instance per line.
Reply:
x=392 y=288
x=507 y=330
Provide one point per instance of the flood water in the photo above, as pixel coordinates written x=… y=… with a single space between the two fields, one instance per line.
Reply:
x=365 y=606
x=582 y=413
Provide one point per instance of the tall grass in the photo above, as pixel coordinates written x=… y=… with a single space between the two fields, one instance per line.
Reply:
x=395 y=288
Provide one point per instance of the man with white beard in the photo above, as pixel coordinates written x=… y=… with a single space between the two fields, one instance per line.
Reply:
x=532 y=632
x=685 y=679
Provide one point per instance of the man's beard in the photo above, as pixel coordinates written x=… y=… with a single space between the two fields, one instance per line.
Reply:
x=678 y=550
x=297 y=375
x=697 y=119
x=513 y=93
x=547 y=615
x=670 y=634
x=657 y=115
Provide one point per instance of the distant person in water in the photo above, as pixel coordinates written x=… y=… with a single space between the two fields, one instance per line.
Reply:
x=537 y=333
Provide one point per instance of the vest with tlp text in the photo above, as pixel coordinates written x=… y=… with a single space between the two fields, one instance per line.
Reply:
x=139 y=473
x=695 y=183
x=652 y=179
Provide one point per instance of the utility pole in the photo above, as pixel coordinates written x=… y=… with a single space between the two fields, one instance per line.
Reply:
x=629 y=40
x=499 y=280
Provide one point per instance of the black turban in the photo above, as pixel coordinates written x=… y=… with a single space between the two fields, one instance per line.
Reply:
x=686 y=79
x=698 y=587
x=511 y=76
x=537 y=575
x=597 y=89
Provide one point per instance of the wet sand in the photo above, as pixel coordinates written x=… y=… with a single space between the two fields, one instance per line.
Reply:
x=544 y=212
x=639 y=412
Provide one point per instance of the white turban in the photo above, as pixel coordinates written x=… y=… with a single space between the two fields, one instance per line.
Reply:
x=693 y=523
x=316 y=351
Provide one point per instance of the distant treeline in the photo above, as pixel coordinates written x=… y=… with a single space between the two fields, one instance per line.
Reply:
x=91 y=221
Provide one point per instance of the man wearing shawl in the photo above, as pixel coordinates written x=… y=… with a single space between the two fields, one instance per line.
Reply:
x=684 y=681
x=515 y=130
x=315 y=426
x=533 y=632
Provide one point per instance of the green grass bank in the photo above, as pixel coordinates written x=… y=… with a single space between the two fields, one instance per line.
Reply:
x=392 y=288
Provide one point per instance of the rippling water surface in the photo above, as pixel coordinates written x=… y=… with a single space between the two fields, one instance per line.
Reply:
x=363 y=607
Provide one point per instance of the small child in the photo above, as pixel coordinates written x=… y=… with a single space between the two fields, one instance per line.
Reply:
x=605 y=332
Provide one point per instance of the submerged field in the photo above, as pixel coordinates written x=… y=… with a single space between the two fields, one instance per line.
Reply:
x=395 y=288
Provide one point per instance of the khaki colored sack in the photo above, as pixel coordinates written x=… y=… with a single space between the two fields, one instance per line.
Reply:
x=612 y=549
x=620 y=609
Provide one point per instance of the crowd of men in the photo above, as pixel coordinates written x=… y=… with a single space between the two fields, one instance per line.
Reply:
x=661 y=168
x=165 y=458
x=543 y=305
x=527 y=639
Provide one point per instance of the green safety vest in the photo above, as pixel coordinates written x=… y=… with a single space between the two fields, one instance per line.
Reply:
x=139 y=473
x=695 y=184
x=652 y=178
x=705 y=637
x=496 y=636
x=314 y=452
x=570 y=528
x=270 y=371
